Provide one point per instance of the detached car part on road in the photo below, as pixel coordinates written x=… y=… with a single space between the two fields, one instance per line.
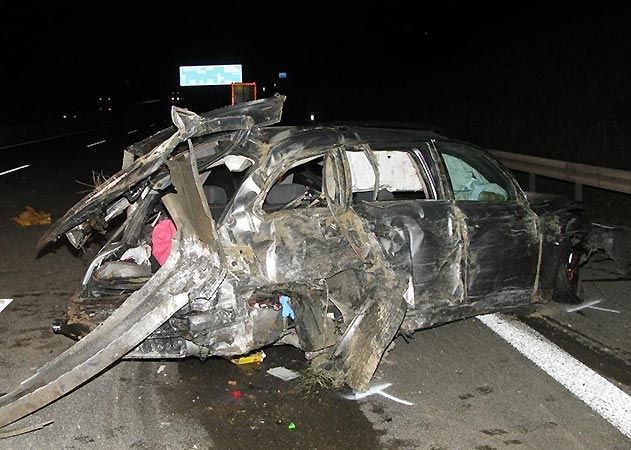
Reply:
x=331 y=239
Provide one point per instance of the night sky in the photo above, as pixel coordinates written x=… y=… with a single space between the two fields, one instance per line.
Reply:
x=444 y=64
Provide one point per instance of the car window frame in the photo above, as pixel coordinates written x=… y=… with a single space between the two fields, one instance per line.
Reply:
x=416 y=155
x=276 y=174
x=516 y=194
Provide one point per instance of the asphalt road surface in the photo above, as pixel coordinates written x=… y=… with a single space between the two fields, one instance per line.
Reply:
x=469 y=388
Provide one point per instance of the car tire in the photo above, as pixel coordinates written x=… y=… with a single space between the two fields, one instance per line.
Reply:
x=568 y=280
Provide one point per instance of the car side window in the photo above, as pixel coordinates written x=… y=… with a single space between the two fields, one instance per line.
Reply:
x=473 y=175
x=388 y=175
x=298 y=187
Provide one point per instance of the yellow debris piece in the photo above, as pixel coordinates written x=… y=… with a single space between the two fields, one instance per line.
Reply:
x=30 y=217
x=249 y=359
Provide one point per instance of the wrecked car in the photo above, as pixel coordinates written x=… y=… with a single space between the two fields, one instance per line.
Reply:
x=235 y=233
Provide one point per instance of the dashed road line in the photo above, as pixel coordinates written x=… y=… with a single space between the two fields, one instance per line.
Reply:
x=15 y=169
x=96 y=143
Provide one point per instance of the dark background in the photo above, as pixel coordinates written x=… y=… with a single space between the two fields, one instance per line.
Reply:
x=551 y=80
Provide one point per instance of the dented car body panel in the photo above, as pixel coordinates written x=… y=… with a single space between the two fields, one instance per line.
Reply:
x=368 y=232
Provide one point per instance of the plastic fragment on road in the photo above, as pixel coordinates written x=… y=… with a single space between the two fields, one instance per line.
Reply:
x=286 y=309
x=257 y=357
x=4 y=302
x=236 y=394
x=161 y=237
x=291 y=426
x=377 y=390
x=161 y=368
x=30 y=217
x=283 y=373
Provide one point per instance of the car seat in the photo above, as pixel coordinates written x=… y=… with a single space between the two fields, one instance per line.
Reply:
x=217 y=200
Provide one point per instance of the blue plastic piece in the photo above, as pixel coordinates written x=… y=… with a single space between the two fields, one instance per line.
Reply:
x=286 y=311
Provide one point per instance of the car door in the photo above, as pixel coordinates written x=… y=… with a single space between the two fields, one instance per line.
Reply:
x=502 y=237
x=420 y=232
x=293 y=230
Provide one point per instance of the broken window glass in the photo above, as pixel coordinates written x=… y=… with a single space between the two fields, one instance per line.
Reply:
x=473 y=177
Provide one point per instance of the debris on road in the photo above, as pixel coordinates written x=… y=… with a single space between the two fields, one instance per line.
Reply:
x=590 y=305
x=257 y=357
x=377 y=390
x=17 y=432
x=283 y=373
x=236 y=394
x=4 y=302
x=31 y=217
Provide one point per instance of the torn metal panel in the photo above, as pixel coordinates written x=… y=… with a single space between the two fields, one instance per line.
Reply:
x=355 y=357
x=425 y=240
x=189 y=125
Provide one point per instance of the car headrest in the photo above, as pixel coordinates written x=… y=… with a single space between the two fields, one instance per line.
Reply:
x=281 y=194
x=215 y=195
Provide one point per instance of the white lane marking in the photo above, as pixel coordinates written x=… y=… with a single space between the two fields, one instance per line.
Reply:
x=590 y=305
x=96 y=143
x=13 y=170
x=599 y=394
x=604 y=309
x=132 y=131
x=4 y=302
x=378 y=390
x=148 y=101
x=51 y=138
x=583 y=306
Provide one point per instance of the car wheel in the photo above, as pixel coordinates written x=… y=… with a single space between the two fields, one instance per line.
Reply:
x=567 y=283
